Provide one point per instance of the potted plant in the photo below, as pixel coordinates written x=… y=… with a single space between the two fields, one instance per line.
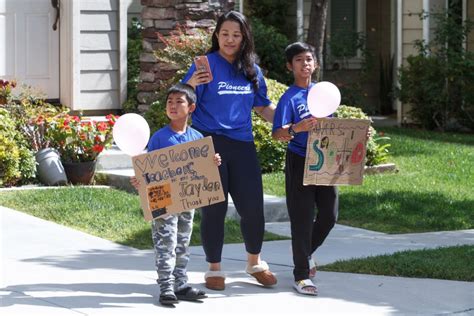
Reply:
x=49 y=168
x=79 y=140
x=32 y=116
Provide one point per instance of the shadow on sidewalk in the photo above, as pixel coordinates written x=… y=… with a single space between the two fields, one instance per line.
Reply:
x=122 y=259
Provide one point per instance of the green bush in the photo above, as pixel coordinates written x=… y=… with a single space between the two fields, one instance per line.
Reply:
x=438 y=82
x=16 y=160
x=270 y=152
x=421 y=88
x=23 y=124
x=9 y=153
x=377 y=146
x=273 y=13
x=180 y=49
x=270 y=47
x=134 y=48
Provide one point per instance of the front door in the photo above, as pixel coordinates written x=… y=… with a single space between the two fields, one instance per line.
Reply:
x=29 y=47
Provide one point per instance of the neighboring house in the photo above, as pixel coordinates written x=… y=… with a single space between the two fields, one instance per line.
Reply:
x=83 y=64
x=390 y=28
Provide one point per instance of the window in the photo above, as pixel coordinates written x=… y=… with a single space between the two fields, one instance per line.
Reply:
x=345 y=32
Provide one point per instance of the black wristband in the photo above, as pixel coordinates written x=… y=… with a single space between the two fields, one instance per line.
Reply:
x=291 y=131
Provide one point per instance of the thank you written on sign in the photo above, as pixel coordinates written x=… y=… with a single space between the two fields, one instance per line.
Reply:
x=178 y=178
x=335 y=152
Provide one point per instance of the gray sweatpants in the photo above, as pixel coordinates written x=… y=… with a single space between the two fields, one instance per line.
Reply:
x=171 y=237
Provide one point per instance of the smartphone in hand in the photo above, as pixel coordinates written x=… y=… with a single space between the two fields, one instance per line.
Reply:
x=202 y=64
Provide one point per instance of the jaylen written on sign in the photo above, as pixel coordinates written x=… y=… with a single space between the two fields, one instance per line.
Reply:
x=178 y=178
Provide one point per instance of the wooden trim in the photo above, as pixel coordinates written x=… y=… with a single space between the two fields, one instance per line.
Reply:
x=69 y=54
x=123 y=10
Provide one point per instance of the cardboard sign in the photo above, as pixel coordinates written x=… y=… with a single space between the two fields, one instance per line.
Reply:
x=178 y=178
x=335 y=152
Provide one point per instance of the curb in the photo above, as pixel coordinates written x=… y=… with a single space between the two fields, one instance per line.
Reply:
x=383 y=168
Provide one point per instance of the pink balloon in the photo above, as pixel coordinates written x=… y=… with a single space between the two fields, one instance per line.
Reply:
x=131 y=133
x=323 y=99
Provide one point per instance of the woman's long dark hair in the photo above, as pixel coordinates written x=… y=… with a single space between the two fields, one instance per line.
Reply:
x=246 y=57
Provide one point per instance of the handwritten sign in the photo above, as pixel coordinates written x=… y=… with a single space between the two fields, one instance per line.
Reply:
x=335 y=152
x=178 y=178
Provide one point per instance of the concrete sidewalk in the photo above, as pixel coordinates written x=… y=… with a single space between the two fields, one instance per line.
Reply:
x=49 y=269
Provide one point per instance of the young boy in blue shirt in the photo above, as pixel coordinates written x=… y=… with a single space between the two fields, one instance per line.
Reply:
x=172 y=234
x=292 y=117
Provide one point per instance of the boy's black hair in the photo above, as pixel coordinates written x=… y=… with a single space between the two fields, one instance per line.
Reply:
x=185 y=89
x=297 y=48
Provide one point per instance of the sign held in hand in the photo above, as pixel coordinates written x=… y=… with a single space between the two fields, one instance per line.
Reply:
x=178 y=178
x=335 y=152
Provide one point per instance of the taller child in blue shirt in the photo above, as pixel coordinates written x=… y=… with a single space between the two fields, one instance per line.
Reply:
x=292 y=117
x=224 y=107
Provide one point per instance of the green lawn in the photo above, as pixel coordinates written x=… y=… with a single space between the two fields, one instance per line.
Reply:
x=433 y=190
x=108 y=213
x=449 y=263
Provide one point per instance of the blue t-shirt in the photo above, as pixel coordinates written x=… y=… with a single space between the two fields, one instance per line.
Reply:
x=166 y=137
x=292 y=108
x=224 y=105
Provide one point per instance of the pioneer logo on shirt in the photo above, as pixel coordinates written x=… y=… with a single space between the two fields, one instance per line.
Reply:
x=303 y=111
x=226 y=88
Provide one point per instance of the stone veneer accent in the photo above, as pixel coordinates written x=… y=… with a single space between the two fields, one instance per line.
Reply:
x=163 y=16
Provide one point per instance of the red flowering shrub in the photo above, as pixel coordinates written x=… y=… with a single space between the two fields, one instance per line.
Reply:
x=6 y=90
x=80 y=139
x=182 y=45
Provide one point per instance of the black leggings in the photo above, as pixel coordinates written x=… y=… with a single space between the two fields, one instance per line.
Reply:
x=241 y=177
x=308 y=231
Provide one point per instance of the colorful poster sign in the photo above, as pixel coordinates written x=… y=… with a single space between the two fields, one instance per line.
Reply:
x=178 y=178
x=335 y=152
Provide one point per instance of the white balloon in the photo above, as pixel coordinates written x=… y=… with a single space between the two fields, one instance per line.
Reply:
x=131 y=133
x=323 y=99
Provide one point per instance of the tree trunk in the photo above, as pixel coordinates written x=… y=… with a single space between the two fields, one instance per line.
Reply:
x=317 y=28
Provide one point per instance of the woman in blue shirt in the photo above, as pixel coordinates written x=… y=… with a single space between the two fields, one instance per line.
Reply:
x=224 y=108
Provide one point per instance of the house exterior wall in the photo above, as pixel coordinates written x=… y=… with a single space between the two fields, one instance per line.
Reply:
x=412 y=27
x=411 y=30
x=100 y=55
x=435 y=6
